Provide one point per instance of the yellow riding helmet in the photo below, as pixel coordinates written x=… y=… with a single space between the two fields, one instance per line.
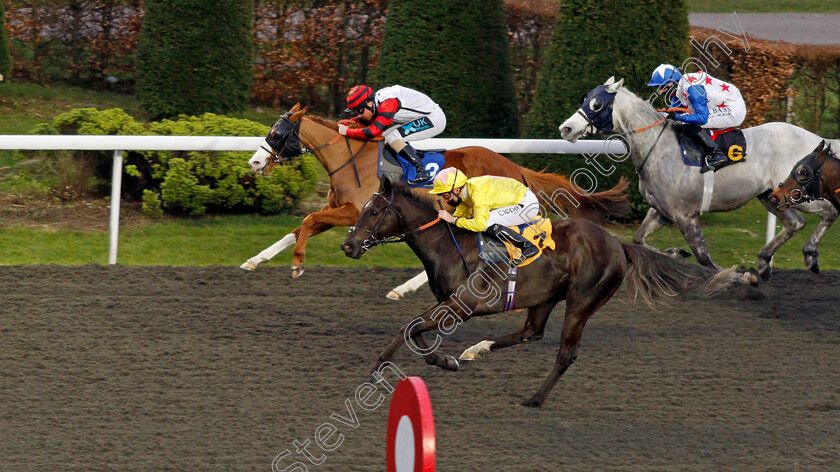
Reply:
x=447 y=180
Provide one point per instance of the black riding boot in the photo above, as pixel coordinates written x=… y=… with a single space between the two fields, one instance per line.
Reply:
x=506 y=234
x=409 y=154
x=715 y=158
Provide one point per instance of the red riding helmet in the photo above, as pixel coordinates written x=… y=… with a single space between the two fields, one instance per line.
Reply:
x=357 y=96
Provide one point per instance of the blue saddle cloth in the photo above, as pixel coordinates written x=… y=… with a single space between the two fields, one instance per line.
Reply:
x=391 y=165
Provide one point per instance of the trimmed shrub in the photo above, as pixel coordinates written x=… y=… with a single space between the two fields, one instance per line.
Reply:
x=5 y=60
x=182 y=182
x=195 y=56
x=591 y=42
x=457 y=52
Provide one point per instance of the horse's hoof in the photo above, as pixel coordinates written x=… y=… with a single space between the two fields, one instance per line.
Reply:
x=764 y=273
x=814 y=266
x=452 y=364
x=297 y=272
x=753 y=278
x=392 y=295
x=532 y=402
x=476 y=351
x=248 y=266
x=678 y=253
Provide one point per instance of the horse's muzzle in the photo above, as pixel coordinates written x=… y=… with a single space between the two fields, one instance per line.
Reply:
x=351 y=247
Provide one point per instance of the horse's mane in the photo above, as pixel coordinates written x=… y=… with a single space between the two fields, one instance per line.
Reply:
x=323 y=122
x=425 y=200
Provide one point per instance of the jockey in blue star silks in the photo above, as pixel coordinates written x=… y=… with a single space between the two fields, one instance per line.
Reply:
x=399 y=114
x=712 y=104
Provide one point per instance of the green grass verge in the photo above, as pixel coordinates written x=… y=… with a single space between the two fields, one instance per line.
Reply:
x=733 y=238
x=763 y=6
x=224 y=240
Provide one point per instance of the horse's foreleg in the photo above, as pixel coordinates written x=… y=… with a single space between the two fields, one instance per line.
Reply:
x=828 y=216
x=693 y=234
x=276 y=248
x=316 y=223
x=792 y=223
x=409 y=287
x=532 y=330
x=439 y=317
x=653 y=222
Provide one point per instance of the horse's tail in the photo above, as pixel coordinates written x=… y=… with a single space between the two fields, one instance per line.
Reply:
x=652 y=276
x=556 y=193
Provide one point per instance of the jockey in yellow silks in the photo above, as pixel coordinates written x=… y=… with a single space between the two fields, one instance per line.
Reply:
x=488 y=204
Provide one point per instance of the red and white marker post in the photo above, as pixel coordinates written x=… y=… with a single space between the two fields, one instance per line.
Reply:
x=411 y=428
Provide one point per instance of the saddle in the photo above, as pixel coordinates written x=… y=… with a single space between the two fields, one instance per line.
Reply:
x=492 y=249
x=731 y=142
x=395 y=168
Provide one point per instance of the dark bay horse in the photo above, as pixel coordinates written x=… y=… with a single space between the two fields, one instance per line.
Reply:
x=815 y=177
x=352 y=167
x=586 y=269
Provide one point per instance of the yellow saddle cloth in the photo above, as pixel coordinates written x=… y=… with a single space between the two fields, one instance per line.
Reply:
x=539 y=233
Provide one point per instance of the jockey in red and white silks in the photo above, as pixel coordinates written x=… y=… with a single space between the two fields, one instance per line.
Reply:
x=398 y=114
x=711 y=103
x=716 y=105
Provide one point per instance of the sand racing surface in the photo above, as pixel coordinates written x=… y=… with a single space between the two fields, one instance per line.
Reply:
x=216 y=369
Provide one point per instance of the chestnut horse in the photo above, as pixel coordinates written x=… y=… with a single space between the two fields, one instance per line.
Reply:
x=352 y=166
x=815 y=177
x=586 y=269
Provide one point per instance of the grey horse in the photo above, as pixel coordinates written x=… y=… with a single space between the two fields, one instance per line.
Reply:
x=679 y=193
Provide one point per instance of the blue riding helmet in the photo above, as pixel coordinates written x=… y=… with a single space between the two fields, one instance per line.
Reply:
x=664 y=73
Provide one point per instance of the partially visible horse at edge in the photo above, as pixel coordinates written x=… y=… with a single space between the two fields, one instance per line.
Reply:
x=675 y=191
x=815 y=177
x=585 y=269
x=352 y=166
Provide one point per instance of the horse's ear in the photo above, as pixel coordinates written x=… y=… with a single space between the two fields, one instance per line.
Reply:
x=610 y=81
x=385 y=187
x=295 y=108
x=820 y=146
x=614 y=87
x=298 y=114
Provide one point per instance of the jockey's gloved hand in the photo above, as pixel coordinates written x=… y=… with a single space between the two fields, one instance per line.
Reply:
x=342 y=130
x=672 y=115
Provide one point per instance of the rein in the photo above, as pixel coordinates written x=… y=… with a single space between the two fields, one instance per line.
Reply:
x=373 y=240
x=635 y=131
x=278 y=158
x=352 y=159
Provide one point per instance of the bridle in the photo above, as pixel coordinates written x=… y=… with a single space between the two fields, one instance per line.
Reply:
x=285 y=155
x=375 y=240
x=604 y=115
x=809 y=189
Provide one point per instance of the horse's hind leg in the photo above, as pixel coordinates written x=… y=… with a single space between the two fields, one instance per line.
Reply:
x=581 y=302
x=532 y=330
x=653 y=222
x=827 y=215
x=792 y=223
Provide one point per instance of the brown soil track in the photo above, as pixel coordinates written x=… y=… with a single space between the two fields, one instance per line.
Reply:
x=185 y=368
